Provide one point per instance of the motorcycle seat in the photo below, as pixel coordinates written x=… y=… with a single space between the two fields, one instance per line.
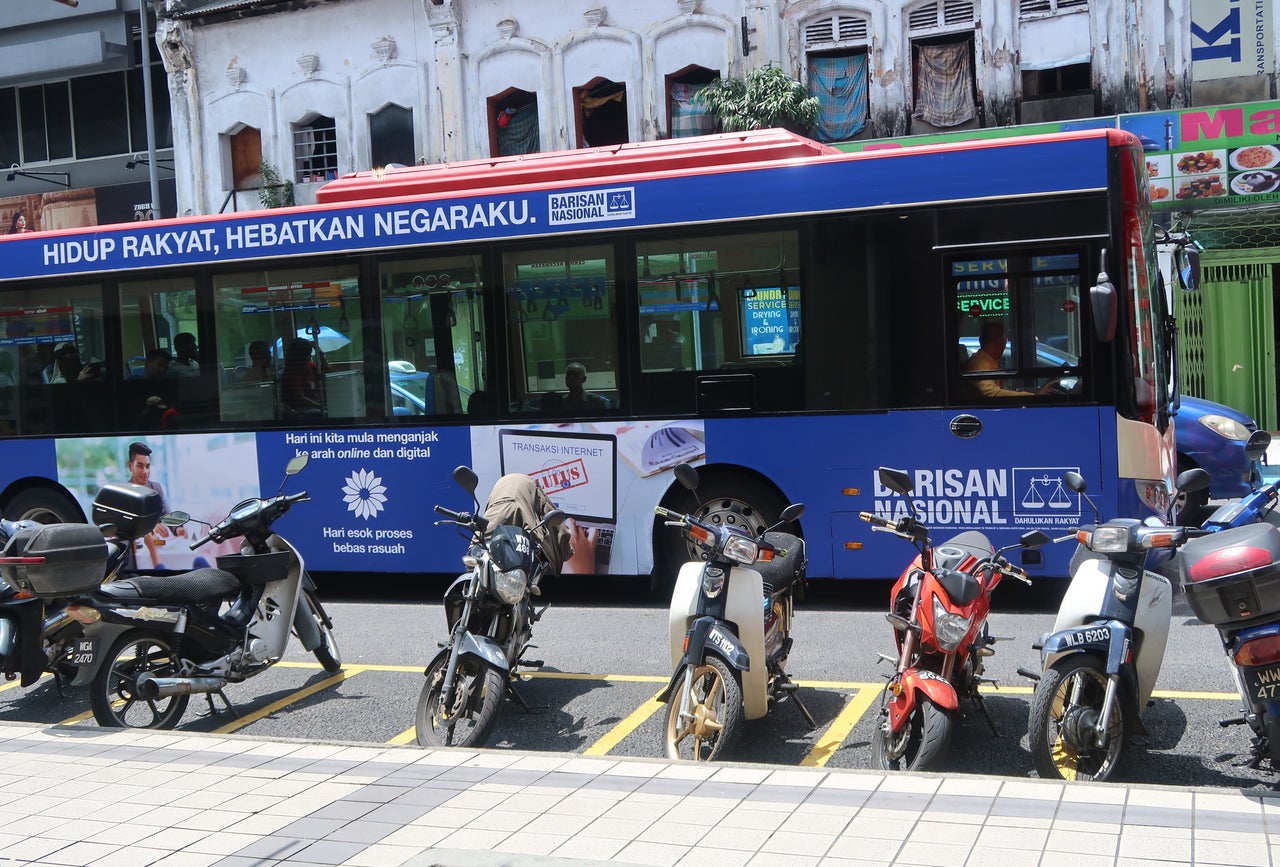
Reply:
x=199 y=585
x=787 y=565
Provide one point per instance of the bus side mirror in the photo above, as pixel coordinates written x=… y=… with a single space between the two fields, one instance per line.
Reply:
x=1103 y=304
x=1186 y=265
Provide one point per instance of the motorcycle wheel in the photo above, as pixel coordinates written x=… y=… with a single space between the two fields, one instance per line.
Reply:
x=715 y=702
x=1067 y=702
x=478 y=693
x=919 y=745
x=327 y=653
x=112 y=695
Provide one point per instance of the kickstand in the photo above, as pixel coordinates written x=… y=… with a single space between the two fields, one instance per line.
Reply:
x=213 y=710
x=519 y=699
x=792 y=690
x=986 y=716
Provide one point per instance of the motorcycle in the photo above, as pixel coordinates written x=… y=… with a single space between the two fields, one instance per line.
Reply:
x=1100 y=663
x=730 y=630
x=170 y=637
x=36 y=635
x=489 y=609
x=938 y=610
x=1231 y=578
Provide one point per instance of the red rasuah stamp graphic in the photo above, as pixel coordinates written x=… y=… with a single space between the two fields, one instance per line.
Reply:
x=562 y=477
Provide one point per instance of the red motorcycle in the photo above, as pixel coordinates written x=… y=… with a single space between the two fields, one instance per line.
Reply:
x=938 y=609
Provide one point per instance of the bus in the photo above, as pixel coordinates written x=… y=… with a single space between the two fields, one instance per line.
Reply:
x=784 y=316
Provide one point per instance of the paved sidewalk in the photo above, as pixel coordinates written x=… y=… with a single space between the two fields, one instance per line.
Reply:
x=79 y=796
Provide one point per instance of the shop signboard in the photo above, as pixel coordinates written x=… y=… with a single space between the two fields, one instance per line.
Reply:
x=1202 y=157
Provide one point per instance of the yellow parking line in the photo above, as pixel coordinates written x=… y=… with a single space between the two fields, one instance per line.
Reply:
x=834 y=736
x=408 y=736
x=78 y=718
x=348 y=672
x=615 y=735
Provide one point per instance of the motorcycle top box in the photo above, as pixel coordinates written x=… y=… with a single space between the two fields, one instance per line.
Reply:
x=133 y=509
x=1233 y=576
x=52 y=560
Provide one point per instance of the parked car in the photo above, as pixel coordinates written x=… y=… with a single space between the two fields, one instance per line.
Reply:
x=1212 y=436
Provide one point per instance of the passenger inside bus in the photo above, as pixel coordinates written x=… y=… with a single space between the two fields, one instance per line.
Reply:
x=988 y=358
x=576 y=398
x=259 y=368
x=301 y=391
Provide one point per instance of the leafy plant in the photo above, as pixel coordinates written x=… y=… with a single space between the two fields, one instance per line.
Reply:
x=274 y=192
x=764 y=98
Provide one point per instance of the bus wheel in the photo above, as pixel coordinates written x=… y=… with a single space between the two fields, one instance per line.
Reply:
x=44 y=506
x=726 y=500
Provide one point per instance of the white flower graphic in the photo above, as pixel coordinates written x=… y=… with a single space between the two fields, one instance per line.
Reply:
x=365 y=494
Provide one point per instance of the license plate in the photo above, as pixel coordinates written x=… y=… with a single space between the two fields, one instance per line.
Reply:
x=1263 y=684
x=84 y=651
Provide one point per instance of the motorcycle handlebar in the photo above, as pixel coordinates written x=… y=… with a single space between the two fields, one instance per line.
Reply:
x=465 y=519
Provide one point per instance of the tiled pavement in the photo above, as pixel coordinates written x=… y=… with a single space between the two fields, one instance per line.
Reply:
x=79 y=796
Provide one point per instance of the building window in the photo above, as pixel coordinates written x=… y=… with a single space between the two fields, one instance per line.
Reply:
x=1074 y=78
x=45 y=118
x=9 y=153
x=1045 y=8
x=602 y=113
x=942 y=72
x=687 y=116
x=391 y=137
x=246 y=158
x=101 y=115
x=315 y=150
x=940 y=15
x=513 y=123
x=839 y=81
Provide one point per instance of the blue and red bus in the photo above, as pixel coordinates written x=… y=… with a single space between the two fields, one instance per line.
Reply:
x=784 y=316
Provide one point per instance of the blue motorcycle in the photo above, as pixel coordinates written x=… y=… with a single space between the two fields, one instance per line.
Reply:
x=1231 y=576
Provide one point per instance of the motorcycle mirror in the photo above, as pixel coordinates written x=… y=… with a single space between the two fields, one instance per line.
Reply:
x=554 y=518
x=466 y=479
x=177 y=519
x=895 y=480
x=1257 y=445
x=687 y=476
x=1034 y=539
x=791 y=513
x=296 y=464
x=1075 y=482
x=1192 y=481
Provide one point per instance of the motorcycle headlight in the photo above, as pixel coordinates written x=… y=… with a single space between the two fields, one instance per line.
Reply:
x=742 y=550
x=510 y=586
x=1225 y=427
x=950 y=629
x=1109 y=540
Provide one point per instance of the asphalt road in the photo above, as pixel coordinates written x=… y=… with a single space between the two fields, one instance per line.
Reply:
x=606 y=657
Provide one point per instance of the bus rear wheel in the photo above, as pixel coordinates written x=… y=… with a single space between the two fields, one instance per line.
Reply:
x=722 y=500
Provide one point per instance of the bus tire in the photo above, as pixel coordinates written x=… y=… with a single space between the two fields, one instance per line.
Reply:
x=43 y=505
x=734 y=498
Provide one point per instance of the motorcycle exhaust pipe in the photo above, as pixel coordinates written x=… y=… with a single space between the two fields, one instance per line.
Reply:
x=153 y=687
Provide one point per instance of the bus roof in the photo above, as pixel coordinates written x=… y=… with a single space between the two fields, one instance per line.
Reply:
x=577 y=166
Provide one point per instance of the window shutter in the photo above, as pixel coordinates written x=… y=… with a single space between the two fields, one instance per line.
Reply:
x=839 y=28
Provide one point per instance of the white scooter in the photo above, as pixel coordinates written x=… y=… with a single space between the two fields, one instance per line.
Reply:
x=730 y=625
x=1100 y=663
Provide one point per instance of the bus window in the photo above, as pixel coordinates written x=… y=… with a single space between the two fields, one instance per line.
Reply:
x=562 y=330
x=160 y=316
x=719 y=302
x=52 y=362
x=1033 y=302
x=316 y=356
x=433 y=333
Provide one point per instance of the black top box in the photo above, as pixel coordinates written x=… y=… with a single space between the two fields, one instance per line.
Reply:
x=74 y=560
x=133 y=509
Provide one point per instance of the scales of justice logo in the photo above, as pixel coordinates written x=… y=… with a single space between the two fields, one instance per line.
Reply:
x=1040 y=492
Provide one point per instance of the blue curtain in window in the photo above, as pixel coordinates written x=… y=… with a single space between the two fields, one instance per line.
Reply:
x=944 y=86
x=519 y=133
x=689 y=117
x=840 y=83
